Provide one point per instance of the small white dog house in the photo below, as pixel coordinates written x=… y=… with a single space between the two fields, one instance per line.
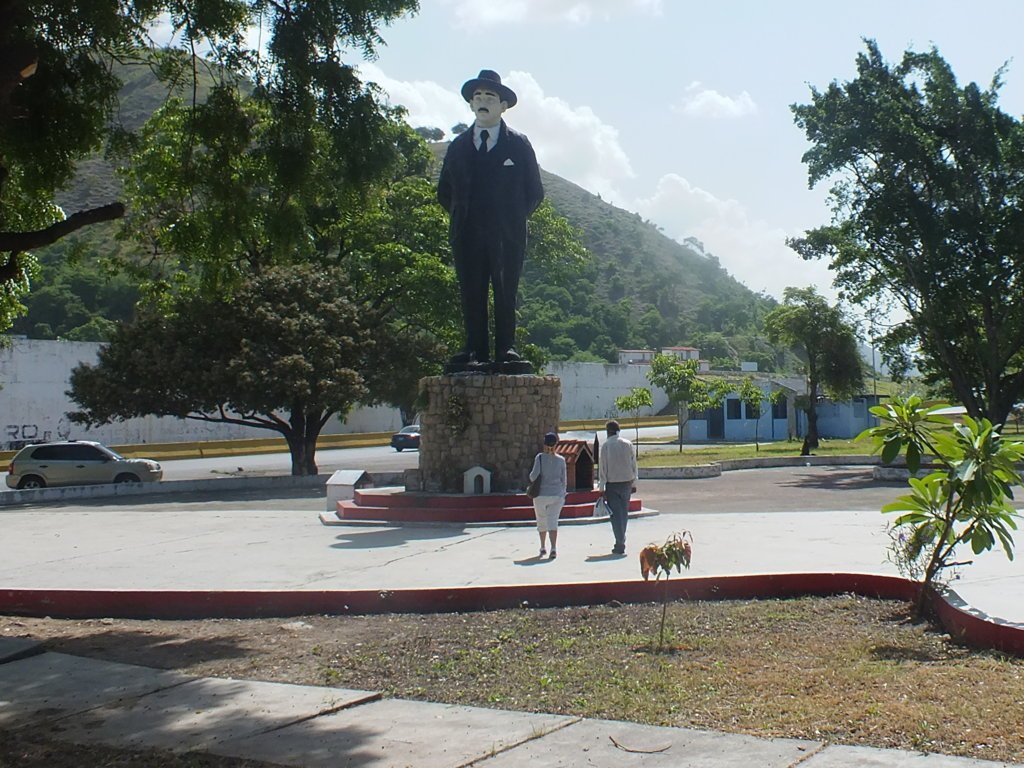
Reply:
x=476 y=481
x=343 y=484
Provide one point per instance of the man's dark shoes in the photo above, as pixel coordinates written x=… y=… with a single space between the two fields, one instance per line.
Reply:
x=511 y=362
x=466 y=360
x=509 y=356
x=617 y=550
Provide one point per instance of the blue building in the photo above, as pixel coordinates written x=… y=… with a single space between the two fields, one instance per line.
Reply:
x=734 y=421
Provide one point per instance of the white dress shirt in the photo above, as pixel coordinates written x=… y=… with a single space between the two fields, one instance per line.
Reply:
x=617 y=462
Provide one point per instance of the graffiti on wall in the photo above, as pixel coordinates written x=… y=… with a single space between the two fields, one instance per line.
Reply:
x=17 y=436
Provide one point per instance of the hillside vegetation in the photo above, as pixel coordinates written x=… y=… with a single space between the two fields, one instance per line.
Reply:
x=666 y=293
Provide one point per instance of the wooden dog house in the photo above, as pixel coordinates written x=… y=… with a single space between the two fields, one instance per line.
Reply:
x=579 y=464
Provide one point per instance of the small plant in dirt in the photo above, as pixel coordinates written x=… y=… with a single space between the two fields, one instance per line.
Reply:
x=965 y=500
x=659 y=560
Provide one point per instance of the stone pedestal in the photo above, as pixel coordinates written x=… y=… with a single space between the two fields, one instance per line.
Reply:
x=494 y=421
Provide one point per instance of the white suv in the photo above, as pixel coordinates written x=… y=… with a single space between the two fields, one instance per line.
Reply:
x=76 y=462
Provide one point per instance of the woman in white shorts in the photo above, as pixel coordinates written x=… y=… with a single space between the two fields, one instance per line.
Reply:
x=548 y=504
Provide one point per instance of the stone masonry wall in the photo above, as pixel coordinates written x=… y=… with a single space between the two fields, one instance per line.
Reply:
x=497 y=422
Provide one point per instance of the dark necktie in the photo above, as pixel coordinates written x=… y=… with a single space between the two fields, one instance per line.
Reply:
x=483 y=142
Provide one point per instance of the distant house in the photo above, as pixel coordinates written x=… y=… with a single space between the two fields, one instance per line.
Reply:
x=636 y=356
x=734 y=421
x=645 y=356
x=682 y=353
x=846 y=419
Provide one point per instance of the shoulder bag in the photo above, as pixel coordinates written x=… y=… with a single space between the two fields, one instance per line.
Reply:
x=533 y=489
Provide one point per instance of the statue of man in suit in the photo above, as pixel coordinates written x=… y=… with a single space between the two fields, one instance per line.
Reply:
x=489 y=184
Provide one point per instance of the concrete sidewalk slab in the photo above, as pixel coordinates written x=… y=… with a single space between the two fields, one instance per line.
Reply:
x=396 y=733
x=867 y=757
x=15 y=648
x=55 y=685
x=284 y=550
x=593 y=743
x=202 y=712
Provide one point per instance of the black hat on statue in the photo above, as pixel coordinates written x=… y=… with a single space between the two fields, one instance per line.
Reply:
x=489 y=79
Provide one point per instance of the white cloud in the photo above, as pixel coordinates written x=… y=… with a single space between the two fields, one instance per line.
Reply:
x=473 y=13
x=571 y=141
x=429 y=104
x=705 y=102
x=752 y=251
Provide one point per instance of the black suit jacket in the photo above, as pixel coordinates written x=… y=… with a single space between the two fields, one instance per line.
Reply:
x=518 y=188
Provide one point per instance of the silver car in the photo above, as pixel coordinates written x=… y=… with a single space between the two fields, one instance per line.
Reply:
x=76 y=462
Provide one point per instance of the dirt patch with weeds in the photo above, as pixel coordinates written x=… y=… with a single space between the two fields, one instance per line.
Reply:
x=844 y=670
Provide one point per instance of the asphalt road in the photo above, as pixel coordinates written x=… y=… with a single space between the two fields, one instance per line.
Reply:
x=783 y=489
x=371 y=459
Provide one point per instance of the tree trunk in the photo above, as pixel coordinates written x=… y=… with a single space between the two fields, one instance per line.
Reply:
x=811 y=438
x=664 y=610
x=301 y=438
x=681 y=418
x=407 y=414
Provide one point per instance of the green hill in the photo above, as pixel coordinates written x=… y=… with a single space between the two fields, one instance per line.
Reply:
x=638 y=260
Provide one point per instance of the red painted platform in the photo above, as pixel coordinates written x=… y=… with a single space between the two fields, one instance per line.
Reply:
x=409 y=507
x=962 y=624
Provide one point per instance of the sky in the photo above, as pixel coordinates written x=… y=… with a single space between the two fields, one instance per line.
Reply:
x=680 y=111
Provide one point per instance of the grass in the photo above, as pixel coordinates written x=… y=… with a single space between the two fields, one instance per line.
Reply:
x=689 y=456
x=846 y=669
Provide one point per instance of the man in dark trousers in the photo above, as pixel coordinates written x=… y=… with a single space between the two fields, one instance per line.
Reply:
x=490 y=184
x=617 y=472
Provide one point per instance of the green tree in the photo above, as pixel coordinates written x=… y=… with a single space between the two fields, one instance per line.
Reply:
x=826 y=342
x=77 y=300
x=688 y=391
x=637 y=399
x=429 y=133
x=288 y=341
x=395 y=251
x=967 y=500
x=714 y=345
x=57 y=98
x=928 y=201
x=754 y=399
x=58 y=95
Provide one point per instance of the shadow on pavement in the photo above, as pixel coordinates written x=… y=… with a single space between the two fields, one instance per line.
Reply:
x=535 y=560
x=839 y=480
x=393 y=537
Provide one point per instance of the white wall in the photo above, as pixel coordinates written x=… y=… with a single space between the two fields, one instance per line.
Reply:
x=589 y=389
x=34 y=376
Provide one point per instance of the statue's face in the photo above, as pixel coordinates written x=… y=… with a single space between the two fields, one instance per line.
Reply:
x=487 y=107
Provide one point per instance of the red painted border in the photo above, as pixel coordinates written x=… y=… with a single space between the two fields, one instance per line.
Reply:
x=964 y=626
x=407 y=507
